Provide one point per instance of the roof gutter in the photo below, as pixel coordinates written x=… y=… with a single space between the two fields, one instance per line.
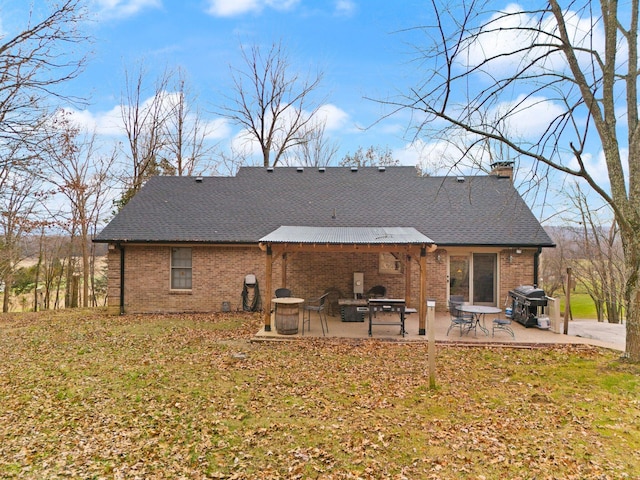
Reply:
x=536 y=266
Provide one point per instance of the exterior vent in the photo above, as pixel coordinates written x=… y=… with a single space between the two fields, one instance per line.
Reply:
x=269 y=169
x=460 y=179
x=354 y=169
x=198 y=179
x=322 y=169
x=382 y=169
x=300 y=169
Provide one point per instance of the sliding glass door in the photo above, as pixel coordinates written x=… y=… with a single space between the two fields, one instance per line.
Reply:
x=474 y=277
x=484 y=278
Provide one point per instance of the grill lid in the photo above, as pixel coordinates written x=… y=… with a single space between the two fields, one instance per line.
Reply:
x=528 y=291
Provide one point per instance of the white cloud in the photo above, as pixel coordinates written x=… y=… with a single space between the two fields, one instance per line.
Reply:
x=528 y=117
x=102 y=123
x=505 y=41
x=246 y=145
x=457 y=154
x=345 y=8
x=218 y=129
x=232 y=8
x=435 y=158
x=333 y=117
x=125 y=8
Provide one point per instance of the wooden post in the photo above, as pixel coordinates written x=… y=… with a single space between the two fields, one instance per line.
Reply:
x=431 y=326
x=422 y=308
x=407 y=280
x=284 y=269
x=268 y=289
x=567 y=302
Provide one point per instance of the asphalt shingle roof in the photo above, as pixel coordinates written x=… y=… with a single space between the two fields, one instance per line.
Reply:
x=480 y=210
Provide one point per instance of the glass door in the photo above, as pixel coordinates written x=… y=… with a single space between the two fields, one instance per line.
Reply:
x=459 y=276
x=484 y=278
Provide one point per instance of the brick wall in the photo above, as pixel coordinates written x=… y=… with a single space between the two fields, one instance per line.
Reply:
x=516 y=269
x=218 y=275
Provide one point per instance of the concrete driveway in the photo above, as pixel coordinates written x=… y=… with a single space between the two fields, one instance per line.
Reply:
x=610 y=334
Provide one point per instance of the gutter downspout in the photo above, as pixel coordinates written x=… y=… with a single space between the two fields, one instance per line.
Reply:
x=121 y=247
x=536 y=266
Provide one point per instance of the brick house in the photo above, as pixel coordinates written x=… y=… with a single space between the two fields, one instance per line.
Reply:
x=185 y=244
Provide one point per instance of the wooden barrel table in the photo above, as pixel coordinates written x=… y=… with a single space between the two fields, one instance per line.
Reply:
x=287 y=314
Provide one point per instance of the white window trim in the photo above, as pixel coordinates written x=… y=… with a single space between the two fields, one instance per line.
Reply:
x=171 y=268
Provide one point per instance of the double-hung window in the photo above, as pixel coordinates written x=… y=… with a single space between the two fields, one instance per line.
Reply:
x=181 y=268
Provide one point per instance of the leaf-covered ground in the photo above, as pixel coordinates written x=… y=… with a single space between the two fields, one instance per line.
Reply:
x=87 y=395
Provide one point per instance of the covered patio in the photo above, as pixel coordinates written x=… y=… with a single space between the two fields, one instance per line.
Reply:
x=406 y=242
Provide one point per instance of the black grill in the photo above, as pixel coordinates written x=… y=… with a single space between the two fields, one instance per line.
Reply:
x=527 y=303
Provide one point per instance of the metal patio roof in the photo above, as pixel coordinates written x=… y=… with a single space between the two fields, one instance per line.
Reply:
x=346 y=235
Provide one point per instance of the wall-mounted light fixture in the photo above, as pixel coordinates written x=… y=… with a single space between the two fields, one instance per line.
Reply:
x=518 y=251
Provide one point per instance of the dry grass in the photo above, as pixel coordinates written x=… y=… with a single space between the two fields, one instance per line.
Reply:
x=87 y=395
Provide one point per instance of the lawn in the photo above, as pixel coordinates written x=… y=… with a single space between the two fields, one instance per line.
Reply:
x=582 y=306
x=87 y=395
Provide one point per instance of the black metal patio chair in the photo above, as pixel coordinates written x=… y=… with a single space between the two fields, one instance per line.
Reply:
x=283 y=293
x=463 y=321
x=316 y=305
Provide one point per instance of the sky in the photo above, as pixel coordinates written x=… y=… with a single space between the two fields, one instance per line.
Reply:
x=356 y=44
x=366 y=49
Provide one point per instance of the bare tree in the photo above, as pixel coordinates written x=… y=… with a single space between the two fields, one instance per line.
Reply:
x=186 y=146
x=144 y=114
x=34 y=62
x=316 y=151
x=555 y=260
x=490 y=69
x=18 y=201
x=600 y=266
x=271 y=101
x=80 y=173
x=371 y=157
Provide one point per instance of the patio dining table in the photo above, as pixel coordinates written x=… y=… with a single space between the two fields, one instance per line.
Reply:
x=479 y=312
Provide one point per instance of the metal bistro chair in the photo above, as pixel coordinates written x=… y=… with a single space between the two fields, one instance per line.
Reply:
x=504 y=325
x=316 y=305
x=465 y=322
x=283 y=293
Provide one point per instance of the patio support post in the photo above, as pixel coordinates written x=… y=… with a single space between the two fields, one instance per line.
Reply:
x=407 y=279
x=284 y=269
x=268 y=289
x=422 y=308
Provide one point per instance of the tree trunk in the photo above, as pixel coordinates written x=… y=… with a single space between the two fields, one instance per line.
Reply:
x=632 y=298
x=633 y=328
x=85 y=269
x=8 y=280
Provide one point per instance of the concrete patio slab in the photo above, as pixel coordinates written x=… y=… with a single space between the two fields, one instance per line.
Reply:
x=580 y=333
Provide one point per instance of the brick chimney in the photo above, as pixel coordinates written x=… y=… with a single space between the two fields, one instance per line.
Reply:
x=502 y=169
